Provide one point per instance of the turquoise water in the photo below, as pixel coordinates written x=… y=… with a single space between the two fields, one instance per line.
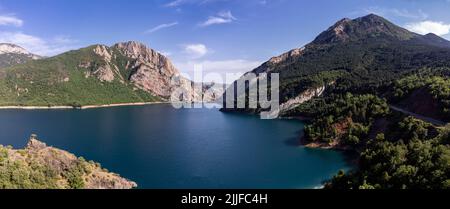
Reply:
x=160 y=147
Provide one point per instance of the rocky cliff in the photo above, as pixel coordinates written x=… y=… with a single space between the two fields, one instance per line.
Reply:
x=302 y=98
x=151 y=71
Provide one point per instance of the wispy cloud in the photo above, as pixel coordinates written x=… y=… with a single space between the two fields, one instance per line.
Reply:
x=37 y=45
x=178 y=3
x=195 y=51
x=10 y=20
x=424 y=27
x=220 y=18
x=160 y=27
x=175 y=3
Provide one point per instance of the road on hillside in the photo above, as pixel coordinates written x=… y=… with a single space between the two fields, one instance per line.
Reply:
x=421 y=117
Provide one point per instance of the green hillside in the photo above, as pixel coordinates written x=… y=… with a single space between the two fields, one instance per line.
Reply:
x=60 y=80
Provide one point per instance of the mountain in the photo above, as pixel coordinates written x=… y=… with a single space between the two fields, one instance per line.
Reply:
x=347 y=30
x=11 y=54
x=123 y=73
x=354 y=55
x=375 y=89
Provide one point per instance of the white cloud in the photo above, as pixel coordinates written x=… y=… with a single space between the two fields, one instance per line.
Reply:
x=38 y=45
x=162 y=26
x=234 y=67
x=195 y=51
x=220 y=18
x=178 y=3
x=424 y=27
x=10 y=20
x=174 y=3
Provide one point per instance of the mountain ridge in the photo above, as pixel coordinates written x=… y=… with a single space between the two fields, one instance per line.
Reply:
x=338 y=28
x=126 y=72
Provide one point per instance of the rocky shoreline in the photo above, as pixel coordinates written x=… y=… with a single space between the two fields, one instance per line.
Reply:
x=46 y=167
x=323 y=145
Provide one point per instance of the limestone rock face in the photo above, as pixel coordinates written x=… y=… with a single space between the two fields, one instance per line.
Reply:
x=104 y=52
x=281 y=60
x=104 y=73
x=302 y=98
x=151 y=71
x=150 y=79
x=145 y=55
x=288 y=55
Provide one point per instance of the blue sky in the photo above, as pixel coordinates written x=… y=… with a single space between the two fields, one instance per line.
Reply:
x=217 y=33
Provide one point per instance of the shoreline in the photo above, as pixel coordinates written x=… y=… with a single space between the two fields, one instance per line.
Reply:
x=119 y=105
x=323 y=145
x=301 y=118
x=62 y=107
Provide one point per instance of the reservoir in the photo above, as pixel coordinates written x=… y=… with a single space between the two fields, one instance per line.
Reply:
x=160 y=147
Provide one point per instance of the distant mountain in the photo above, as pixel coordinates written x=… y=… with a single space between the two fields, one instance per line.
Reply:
x=123 y=73
x=11 y=54
x=359 y=55
x=435 y=40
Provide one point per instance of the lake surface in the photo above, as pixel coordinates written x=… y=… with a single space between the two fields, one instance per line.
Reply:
x=161 y=147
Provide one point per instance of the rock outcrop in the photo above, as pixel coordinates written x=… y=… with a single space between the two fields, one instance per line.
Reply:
x=151 y=71
x=302 y=98
x=288 y=55
x=104 y=73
